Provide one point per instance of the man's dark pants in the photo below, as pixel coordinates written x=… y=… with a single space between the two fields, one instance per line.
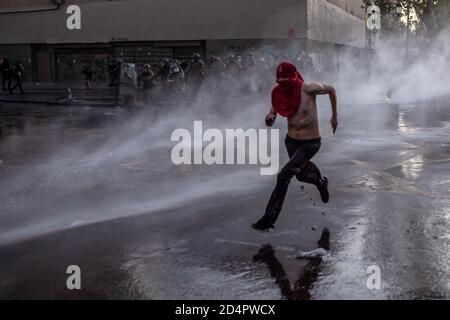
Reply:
x=300 y=153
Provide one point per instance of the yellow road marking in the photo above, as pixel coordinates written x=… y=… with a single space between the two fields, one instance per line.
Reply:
x=186 y=168
x=439 y=160
x=134 y=164
x=392 y=179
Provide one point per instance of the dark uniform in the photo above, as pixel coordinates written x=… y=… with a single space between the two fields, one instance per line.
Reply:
x=148 y=81
x=163 y=74
x=233 y=66
x=88 y=75
x=196 y=69
x=164 y=70
x=113 y=73
x=216 y=69
x=176 y=79
x=6 y=74
x=16 y=75
x=196 y=72
x=215 y=64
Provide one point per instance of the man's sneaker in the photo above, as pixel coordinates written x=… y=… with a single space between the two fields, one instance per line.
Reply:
x=260 y=227
x=323 y=189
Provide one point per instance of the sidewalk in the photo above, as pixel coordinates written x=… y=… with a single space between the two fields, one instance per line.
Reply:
x=52 y=86
x=58 y=94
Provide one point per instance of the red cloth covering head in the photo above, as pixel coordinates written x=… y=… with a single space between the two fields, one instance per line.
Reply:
x=286 y=96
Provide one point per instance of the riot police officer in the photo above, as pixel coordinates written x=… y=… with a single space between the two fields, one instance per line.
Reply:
x=16 y=75
x=196 y=69
x=164 y=70
x=176 y=78
x=88 y=75
x=196 y=73
x=147 y=77
x=113 y=73
x=6 y=74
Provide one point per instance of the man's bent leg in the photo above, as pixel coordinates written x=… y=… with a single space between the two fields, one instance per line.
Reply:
x=310 y=173
x=292 y=168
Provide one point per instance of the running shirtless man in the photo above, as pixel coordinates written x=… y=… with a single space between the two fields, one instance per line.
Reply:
x=296 y=100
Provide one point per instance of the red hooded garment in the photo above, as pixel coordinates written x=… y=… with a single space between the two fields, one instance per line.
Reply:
x=286 y=96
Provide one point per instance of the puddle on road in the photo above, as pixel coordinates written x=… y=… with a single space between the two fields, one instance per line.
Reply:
x=344 y=274
x=409 y=169
x=156 y=270
x=50 y=120
x=178 y=274
x=430 y=114
x=371 y=183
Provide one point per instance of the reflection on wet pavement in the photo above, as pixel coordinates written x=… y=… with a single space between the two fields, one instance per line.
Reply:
x=402 y=123
x=52 y=120
x=300 y=290
x=367 y=183
x=411 y=168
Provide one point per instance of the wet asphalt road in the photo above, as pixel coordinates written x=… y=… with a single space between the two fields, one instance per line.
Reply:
x=142 y=228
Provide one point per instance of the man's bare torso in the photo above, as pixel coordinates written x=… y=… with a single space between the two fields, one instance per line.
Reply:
x=304 y=124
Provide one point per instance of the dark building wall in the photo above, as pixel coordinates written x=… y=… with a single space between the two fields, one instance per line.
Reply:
x=143 y=30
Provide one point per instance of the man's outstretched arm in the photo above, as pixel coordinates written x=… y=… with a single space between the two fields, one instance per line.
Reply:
x=270 y=117
x=319 y=88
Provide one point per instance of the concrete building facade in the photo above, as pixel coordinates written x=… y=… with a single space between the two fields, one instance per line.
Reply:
x=147 y=30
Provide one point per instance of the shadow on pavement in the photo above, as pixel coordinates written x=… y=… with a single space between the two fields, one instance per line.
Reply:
x=308 y=276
